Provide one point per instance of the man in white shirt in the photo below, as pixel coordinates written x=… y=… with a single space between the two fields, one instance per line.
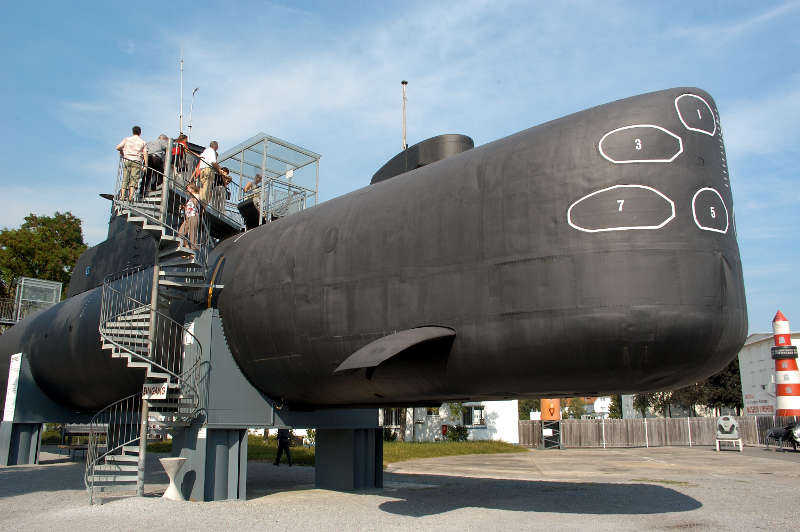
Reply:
x=134 y=152
x=208 y=164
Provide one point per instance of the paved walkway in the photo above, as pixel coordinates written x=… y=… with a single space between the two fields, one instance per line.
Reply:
x=587 y=489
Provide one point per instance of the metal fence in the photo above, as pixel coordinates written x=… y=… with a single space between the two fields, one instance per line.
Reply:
x=649 y=432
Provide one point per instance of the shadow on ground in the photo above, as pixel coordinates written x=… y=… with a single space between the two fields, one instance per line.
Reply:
x=451 y=493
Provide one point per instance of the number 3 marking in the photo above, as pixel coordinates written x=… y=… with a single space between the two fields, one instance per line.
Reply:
x=637 y=143
x=621 y=202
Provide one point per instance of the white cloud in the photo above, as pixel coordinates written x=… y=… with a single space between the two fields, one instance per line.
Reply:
x=721 y=33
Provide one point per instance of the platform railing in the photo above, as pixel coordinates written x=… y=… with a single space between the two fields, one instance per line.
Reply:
x=163 y=205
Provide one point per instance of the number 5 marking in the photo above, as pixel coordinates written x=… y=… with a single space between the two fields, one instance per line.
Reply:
x=621 y=202
x=713 y=212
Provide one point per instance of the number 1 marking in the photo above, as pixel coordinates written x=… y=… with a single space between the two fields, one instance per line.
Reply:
x=699 y=115
x=621 y=202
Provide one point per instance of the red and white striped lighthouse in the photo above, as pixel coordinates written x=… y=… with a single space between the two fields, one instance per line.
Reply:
x=787 y=377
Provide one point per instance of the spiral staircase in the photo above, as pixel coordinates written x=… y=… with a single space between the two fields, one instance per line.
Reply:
x=135 y=326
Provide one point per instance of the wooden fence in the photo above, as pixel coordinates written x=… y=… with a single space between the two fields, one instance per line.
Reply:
x=649 y=432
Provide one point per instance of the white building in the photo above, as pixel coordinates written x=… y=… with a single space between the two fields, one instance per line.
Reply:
x=757 y=370
x=485 y=420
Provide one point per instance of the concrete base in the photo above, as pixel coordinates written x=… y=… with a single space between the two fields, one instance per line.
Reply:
x=216 y=463
x=349 y=459
x=20 y=443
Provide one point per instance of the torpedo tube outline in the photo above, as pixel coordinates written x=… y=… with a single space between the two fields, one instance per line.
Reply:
x=787 y=376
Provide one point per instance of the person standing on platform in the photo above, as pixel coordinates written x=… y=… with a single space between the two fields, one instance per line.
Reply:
x=133 y=151
x=156 y=153
x=208 y=165
x=191 y=222
x=179 y=148
x=283 y=445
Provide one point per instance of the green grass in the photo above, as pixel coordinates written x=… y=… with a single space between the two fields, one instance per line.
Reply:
x=395 y=451
x=265 y=451
x=160 y=446
x=398 y=451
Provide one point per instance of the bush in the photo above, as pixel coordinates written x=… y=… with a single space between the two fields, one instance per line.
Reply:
x=457 y=433
x=51 y=437
x=389 y=434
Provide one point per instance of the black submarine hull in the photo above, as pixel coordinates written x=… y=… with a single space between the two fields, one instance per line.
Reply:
x=594 y=253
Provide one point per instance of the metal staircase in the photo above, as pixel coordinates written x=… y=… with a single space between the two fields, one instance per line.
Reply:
x=135 y=326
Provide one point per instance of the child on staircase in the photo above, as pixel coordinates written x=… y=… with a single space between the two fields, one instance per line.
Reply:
x=191 y=213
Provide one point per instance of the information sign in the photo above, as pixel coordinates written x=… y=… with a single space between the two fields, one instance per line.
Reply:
x=154 y=391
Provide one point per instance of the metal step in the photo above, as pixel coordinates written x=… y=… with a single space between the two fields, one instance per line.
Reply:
x=172 y=424
x=186 y=273
x=179 y=250
x=109 y=488
x=189 y=263
x=114 y=478
x=130 y=449
x=116 y=468
x=127 y=340
x=127 y=324
x=123 y=458
x=132 y=315
x=182 y=284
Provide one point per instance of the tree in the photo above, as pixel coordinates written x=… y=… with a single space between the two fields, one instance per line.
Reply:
x=690 y=396
x=455 y=412
x=526 y=406
x=661 y=401
x=641 y=402
x=576 y=407
x=44 y=247
x=725 y=388
x=615 y=408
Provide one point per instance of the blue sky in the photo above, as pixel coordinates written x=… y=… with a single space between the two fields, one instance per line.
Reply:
x=77 y=75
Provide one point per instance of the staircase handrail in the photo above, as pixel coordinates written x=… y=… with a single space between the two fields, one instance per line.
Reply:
x=115 y=420
x=138 y=306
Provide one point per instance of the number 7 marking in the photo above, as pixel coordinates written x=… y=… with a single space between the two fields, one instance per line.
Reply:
x=621 y=203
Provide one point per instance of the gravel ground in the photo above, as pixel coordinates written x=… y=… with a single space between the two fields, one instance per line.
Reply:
x=582 y=489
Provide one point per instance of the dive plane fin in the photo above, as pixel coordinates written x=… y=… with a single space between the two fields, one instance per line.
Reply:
x=382 y=349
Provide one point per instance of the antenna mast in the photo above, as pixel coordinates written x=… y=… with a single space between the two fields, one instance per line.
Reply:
x=404 y=83
x=191 y=108
x=180 y=99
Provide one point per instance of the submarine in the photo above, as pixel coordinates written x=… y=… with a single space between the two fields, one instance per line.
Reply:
x=592 y=254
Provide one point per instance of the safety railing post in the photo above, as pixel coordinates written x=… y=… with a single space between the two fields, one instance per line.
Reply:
x=145 y=413
x=689 y=426
x=646 y=441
